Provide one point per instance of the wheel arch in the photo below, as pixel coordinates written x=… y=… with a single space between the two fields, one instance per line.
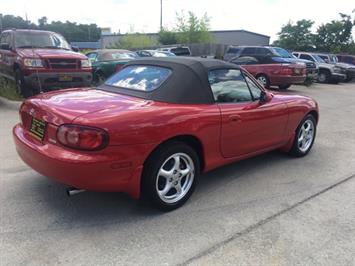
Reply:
x=315 y=114
x=191 y=140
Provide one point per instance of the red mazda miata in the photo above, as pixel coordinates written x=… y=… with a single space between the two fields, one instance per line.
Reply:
x=153 y=127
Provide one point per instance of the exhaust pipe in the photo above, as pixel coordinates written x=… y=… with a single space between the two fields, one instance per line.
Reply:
x=73 y=191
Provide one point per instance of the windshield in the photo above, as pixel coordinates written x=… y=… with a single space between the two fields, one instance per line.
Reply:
x=283 y=53
x=116 y=56
x=163 y=54
x=33 y=39
x=318 y=58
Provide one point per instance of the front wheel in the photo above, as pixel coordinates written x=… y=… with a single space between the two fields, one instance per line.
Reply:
x=170 y=175
x=264 y=80
x=21 y=87
x=304 y=136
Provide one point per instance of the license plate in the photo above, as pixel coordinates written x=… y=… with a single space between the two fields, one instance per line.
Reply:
x=38 y=128
x=65 y=78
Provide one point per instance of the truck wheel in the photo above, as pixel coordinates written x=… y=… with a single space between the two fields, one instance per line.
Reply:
x=284 y=86
x=264 y=80
x=170 y=175
x=21 y=87
x=323 y=76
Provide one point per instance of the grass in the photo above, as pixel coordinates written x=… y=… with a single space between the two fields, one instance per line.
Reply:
x=8 y=90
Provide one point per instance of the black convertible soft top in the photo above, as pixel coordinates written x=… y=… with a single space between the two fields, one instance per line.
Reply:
x=188 y=83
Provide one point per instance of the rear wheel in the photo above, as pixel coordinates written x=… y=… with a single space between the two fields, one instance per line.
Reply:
x=304 y=137
x=170 y=175
x=284 y=86
x=323 y=76
x=264 y=80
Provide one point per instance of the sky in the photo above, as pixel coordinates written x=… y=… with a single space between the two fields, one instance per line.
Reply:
x=261 y=16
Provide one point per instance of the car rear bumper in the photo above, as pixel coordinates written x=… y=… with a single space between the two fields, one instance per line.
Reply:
x=283 y=80
x=52 y=80
x=116 y=169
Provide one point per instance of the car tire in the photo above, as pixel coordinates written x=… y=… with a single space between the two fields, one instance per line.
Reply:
x=264 y=80
x=284 y=86
x=324 y=76
x=170 y=175
x=304 y=137
x=21 y=87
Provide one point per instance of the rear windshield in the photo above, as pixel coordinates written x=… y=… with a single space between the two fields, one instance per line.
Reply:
x=139 y=77
x=181 y=51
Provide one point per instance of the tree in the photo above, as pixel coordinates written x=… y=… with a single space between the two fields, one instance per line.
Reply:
x=167 y=37
x=135 y=41
x=42 y=21
x=335 y=36
x=296 y=36
x=191 y=29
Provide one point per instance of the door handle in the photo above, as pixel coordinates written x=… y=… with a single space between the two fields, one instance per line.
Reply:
x=234 y=118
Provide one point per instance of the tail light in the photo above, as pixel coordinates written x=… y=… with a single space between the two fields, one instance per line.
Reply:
x=118 y=67
x=82 y=137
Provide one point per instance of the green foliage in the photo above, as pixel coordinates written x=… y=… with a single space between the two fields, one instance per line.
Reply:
x=188 y=29
x=135 y=41
x=335 y=36
x=167 y=37
x=70 y=30
x=191 y=29
x=296 y=36
x=8 y=90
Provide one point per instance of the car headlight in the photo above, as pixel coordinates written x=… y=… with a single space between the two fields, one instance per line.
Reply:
x=85 y=63
x=28 y=62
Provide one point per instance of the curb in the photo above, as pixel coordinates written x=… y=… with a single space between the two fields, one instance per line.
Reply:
x=13 y=105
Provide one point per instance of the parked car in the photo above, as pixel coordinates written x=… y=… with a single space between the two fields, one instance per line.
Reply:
x=154 y=53
x=154 y=126
x=272 y=70
x=328 y=73
x=347 y=69
x=106 y=62
x=237 y=51
x=177 y=50
x=40 y=61
x=349 y=59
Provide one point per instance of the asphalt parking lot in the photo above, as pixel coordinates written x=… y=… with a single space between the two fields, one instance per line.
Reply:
x=269 y=210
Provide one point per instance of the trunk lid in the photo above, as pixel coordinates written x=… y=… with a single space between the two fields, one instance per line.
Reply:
x=60 y=107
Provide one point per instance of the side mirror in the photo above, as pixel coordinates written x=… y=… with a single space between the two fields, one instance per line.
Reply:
x=265 y=97
x=326 y=60
x=75 y=48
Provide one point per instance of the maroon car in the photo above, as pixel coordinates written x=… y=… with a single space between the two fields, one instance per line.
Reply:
x=273 y=71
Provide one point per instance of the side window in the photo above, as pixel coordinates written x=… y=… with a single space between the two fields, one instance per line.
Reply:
x=263 y=51
x=5 y=41
x=245 y=60
x=295 y=54
x=248 y=50
x=307 y=57
x=254 y=89
x=229 y=86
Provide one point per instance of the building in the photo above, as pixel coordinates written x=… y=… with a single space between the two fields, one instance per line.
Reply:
x=224 y=37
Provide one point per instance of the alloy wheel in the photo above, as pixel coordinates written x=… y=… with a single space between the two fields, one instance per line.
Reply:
x=306 y=136
x=175 y=178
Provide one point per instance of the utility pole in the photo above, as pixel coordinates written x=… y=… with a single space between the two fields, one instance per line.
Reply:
x=161 y=14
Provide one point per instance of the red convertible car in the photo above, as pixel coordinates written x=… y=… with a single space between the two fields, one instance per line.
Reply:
x=153 y=127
